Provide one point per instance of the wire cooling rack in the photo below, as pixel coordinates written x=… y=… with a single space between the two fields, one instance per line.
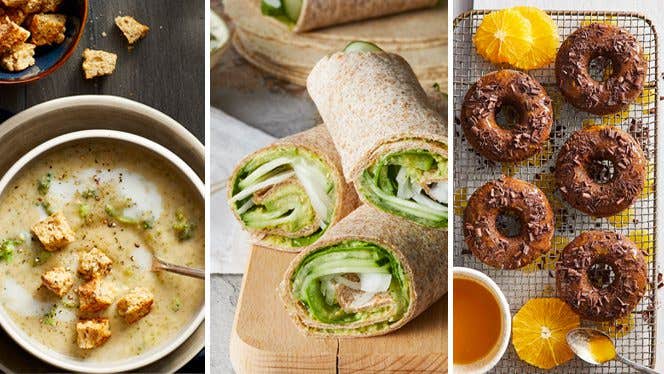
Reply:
x=635 y=336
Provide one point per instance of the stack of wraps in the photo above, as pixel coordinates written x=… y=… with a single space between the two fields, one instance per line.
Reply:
x=288 y=193
x=392 y=144
x=386 y=262
x=420 y=36
x=369 y=275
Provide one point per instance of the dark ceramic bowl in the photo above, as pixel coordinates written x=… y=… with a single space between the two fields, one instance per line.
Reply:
x=49 y=58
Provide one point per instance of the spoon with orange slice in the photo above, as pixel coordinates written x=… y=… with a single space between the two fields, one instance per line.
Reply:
x=595 y=347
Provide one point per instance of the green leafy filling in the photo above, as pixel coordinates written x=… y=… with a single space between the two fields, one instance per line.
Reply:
x=296 y=192
x=394 y=185
x=286 y=11
x=309 y=282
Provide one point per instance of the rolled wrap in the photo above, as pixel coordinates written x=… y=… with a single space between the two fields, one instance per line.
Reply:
x=419 y=254
x=374 y=107
x=321 y=13
x=289 y=195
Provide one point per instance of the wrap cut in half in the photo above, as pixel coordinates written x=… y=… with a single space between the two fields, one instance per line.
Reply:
x=369 y=275
x=288 y=193
x=305 y=15
x=392 y=143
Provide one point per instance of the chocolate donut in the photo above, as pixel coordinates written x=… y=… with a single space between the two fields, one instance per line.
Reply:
x=628 y=68
x=578 y=161
x=534 y=116
x=594 y=302
x=508 y=196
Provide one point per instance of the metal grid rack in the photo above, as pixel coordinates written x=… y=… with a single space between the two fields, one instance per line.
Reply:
x=635 y=337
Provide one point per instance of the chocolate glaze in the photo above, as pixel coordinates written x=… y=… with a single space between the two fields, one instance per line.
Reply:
x=600 y=40
x=488 y=244
x=486 y=96
x=601 y=247
x=575 y=183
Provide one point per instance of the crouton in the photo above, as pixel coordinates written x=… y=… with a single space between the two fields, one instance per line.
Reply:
x=54 y=232
x=132 y=29
x=93 y=297
x=94 y=264
x=135 y=305
x=16 y=15
x=13 y=3
x=36 y=6
x=98 y=63
x=11 y=35
x=92 y=333
x=20 y=58
x=58 y=280
x=47 y=29
x=50 y=5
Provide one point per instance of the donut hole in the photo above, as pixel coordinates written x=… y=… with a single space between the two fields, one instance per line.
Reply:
x=509 y=223
x=601 y=275
x=601 y=170
x=600 y=68
x=508 y=114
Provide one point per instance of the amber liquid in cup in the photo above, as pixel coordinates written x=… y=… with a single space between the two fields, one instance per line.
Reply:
x=477 y=321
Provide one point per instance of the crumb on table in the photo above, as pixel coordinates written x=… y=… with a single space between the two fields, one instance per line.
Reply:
x=98 y=63
x=131 y=28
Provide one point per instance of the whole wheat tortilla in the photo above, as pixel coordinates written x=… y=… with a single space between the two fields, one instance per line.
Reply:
x=372 y=104
x=417 y=28
x=317 y=141
x=298 y=75
x=317 y=14
x=432 y=57
x=421 y=251
x=290 y=74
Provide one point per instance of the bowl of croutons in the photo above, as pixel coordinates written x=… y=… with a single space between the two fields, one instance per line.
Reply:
x=38 y=36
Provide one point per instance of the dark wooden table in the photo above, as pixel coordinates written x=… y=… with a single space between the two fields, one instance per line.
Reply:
x=166 y=70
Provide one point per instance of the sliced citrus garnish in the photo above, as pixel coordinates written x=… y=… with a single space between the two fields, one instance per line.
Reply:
x=545 y=39
x=539 y=330
x=502 y=36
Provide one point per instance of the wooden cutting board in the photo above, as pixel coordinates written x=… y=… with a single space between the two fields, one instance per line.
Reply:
x=265 y=340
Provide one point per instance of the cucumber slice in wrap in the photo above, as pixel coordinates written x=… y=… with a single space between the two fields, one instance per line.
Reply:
x=319 y=276
x=285 y=193
x=395 y=183
x=361 y=46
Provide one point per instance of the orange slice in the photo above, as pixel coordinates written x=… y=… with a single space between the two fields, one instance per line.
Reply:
x=502 y=36
x=539 y=330
x=545 y=40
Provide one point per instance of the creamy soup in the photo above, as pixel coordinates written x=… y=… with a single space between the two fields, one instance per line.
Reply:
x=129 y=204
